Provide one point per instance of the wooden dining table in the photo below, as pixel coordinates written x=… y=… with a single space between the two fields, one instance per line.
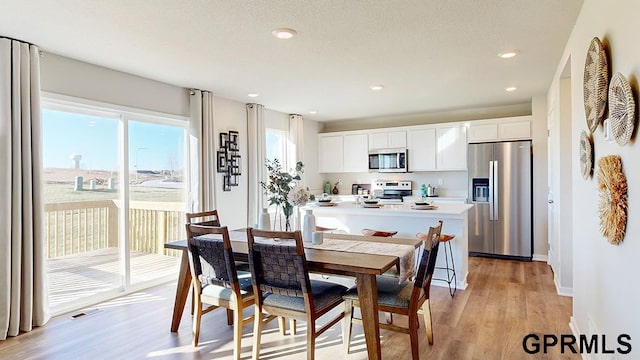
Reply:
x=364 y=267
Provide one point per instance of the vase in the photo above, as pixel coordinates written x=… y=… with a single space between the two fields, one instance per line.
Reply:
x=308 y=226
x=287 y=223
x=264 y=221
x=335 y=190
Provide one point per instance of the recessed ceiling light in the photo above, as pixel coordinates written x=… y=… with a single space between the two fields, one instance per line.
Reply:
x=511 y=88
x=253 y=94
x=313 y=112
x=508 y=54
x=284 y=33
x=376 y=87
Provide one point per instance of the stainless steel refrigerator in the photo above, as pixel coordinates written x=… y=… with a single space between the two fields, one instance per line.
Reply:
x=500 y=187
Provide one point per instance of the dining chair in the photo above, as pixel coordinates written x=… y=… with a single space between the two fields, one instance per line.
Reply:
x=215 y=280
x=402 y=299
x=208 y=218
x=282 y=286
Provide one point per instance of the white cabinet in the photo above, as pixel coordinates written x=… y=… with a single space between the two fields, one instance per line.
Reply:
x=513 y=128
x=343 y=152
x=451 y=151
x=356 y=155
x=421 y=149
x=387 y=140
x=330 y=153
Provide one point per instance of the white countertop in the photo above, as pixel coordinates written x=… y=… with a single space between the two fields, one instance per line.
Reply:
x=443 y=210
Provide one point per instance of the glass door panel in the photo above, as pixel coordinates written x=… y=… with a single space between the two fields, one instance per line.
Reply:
x=156 y=198
x=80 y=158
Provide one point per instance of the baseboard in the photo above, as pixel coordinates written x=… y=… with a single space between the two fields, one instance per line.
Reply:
x=539 y=257
x=563 y=291
x=576 y=332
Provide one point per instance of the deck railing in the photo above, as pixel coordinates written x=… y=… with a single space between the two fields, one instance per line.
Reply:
x=77 y=227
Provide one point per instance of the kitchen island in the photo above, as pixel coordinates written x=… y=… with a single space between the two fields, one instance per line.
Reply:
x=352 y=218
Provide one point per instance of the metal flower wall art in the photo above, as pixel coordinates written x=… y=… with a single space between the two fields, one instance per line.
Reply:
x=612 y=185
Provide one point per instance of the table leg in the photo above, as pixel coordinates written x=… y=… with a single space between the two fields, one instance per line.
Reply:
x=182 y=291
x=368 y=296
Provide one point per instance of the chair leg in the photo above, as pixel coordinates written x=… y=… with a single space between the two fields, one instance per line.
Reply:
x=229 y=317
x=282 y=324
x=347 y=325
x=197 y=316
x=388 y=317
x=257 y=333
x=292 y=325
x=237 y=333
x=413 y=336
x=311 y=339
x=426 y=311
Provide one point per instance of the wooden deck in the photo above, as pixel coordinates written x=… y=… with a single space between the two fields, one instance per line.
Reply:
x=81 y=276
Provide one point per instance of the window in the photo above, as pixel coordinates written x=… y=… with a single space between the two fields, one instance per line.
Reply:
x=276 y=145
x=114 y=195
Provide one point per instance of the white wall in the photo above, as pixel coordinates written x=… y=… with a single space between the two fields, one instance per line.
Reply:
x=605 y=294
x=62 y=75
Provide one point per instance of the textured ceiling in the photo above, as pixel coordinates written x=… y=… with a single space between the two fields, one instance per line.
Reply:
x=430 y=55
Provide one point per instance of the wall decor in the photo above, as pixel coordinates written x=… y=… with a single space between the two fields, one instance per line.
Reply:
x=228 y=159
x=622 y=109
x=595 y=84
x=612 y=185
x=586 y=155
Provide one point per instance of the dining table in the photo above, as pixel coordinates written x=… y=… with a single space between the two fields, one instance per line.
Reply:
x=363 y=266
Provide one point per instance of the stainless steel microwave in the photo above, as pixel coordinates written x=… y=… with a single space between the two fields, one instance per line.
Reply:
x=388 y=160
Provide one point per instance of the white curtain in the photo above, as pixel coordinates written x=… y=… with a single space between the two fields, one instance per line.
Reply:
x=23 y=287
x=202 y=151
x=257 y=154
x=296 y=141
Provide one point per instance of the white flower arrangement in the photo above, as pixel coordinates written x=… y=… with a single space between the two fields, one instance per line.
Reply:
x=298 y=196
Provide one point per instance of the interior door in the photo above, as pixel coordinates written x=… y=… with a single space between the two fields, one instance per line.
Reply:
x=480 y=234
x=513 y=198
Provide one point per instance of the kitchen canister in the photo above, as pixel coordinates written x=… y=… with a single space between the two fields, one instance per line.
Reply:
x=308 y=225
x=317 y=238
x=264 y=221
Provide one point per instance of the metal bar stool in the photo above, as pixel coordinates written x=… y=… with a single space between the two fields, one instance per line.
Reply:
x=451 y=271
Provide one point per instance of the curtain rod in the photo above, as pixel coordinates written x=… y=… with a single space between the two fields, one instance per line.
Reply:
x=10 y=38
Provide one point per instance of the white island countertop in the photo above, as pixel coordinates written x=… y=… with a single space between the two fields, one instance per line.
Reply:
x=443 y=211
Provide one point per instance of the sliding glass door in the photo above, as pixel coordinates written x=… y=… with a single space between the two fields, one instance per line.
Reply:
x=114 y=194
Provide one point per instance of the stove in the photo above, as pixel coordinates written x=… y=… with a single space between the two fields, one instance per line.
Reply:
x=392 y=192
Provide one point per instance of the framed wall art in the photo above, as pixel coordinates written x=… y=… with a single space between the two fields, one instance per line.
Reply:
x=228 y=160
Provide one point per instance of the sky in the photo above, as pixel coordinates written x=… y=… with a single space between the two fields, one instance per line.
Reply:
x=152 y=146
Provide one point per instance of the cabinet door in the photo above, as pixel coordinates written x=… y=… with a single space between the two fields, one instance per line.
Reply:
x=378 y=141
x=483 y=132
x=421 y=148
x=451 y=148
x=356 y=153
x=515 y=130
x=330 y=154
x=397 y=139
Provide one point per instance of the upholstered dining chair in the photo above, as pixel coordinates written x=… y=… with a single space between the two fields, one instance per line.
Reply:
x=402 y=299
x=282 y=286
x=215 y=280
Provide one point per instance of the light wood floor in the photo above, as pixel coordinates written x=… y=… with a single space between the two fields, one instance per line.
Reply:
x=505 y=301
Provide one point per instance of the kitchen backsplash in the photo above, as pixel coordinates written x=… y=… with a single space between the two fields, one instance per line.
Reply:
x=454 y=183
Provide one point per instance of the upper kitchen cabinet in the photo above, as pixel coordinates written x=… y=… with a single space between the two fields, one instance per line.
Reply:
x=421 y=149
x=512 y=128
x=343 y=152
x=437 y=147
x=387 y=139
x=451 y=147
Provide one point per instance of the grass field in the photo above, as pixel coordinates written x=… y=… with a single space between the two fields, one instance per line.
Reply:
x=60 y=193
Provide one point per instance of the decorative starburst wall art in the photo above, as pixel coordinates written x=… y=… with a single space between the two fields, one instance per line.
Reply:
x=612 y=185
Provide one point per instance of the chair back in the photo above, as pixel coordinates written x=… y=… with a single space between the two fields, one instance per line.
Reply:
x=428 y=258
x=207 y=218
x=278 y=268
x=211 y=258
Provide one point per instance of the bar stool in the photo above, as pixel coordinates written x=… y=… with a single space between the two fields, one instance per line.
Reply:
x=451 y=271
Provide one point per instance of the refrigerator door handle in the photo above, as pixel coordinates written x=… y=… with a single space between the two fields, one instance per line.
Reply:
x=491 y=190
x=496 y=198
